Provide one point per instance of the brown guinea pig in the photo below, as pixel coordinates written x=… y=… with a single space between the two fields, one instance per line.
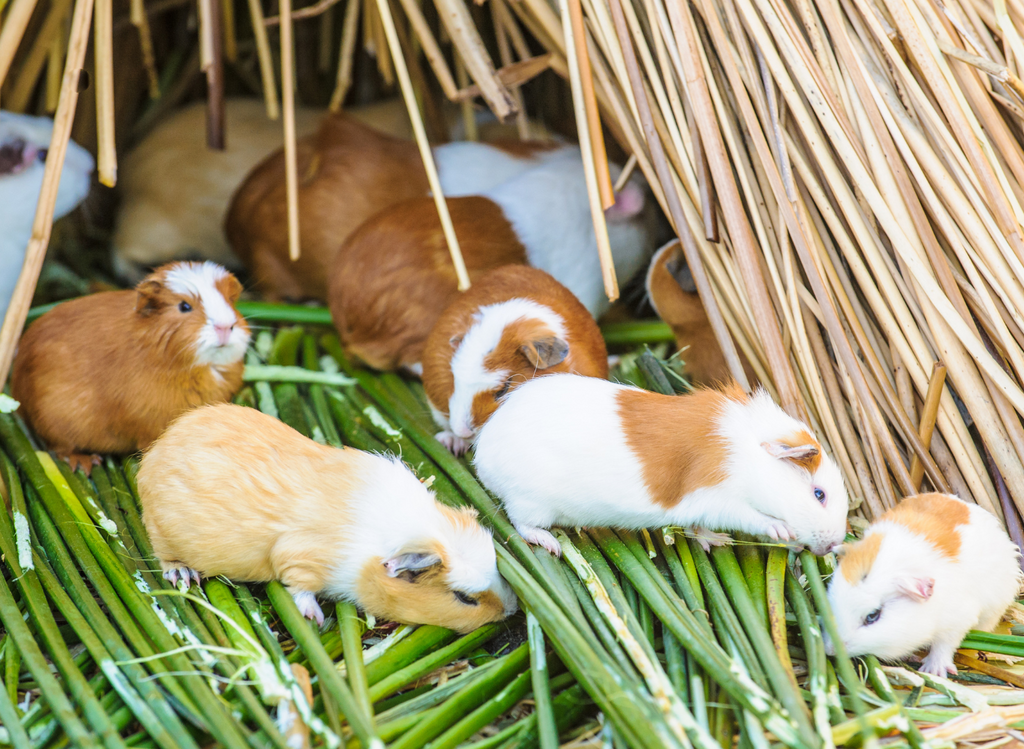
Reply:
x=227 y=490
x=514 y=324
x=347 y=173
x=674 y=297
x=107 y=373
x=384 y=302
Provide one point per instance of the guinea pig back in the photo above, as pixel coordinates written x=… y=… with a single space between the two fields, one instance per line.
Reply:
x=925 y=573
x=384 y=302
x=227 y=490
x=106 y=373
x=514 y=324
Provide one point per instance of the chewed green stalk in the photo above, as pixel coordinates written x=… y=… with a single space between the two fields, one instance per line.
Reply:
x=678 y=718
x=23 y=537
x=378 y=420
x=7 y=404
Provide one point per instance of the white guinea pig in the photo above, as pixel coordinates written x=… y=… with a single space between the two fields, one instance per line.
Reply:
x=579 y=451
x=24 y=141
x=227 y=490
x=925 y=573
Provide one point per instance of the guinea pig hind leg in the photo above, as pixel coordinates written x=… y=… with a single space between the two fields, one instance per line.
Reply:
x=708 y=538
x=174 y=570
x=307 y=605
x=85 y=461
x=541 y=537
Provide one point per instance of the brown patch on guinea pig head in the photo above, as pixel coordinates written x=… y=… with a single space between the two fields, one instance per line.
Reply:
x=859 y=558
x=190 y=314
x=452 y=583
x=799 y=448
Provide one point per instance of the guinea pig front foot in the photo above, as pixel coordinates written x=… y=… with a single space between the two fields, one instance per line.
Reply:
x=939 y=661
x=456 y=445
x=187 y=575
x=307 y=605
x=83 y=461
x=708 y=538
x=541 y=537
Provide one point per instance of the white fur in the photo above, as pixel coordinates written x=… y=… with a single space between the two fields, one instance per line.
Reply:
x=468 y=371
x=970 y=592
x=199 y=281
x=556 y=454
x=469 y=168
x=549 y=210
x=19 y=192
x=412 y=516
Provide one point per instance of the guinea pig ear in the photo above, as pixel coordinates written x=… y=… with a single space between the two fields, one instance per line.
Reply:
x=410 y=566
x=802 y=455
x=230 y=288
x=148 y=296
x=628 y=203
x=545 y=352
x=455 y=340
x=918 y=589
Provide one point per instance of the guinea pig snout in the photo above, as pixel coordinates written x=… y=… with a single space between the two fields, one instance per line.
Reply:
x=223 y=333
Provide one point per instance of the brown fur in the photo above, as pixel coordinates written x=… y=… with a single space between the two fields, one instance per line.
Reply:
x=934 y=516
x=394 y=276
x=107 y=373
x=675 y=439
x=230 y=491
x=859 y=559
x=348 y=172
x=524 y=148
x=683 y=311
x=587 y=353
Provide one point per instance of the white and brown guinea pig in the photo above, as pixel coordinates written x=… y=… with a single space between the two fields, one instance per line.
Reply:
x=580 y=451
x=347 y=173
x=925 y=573
x=385 y=303
x=673 y=294
x=514 y=324
x=230 y=491
x=107 y=373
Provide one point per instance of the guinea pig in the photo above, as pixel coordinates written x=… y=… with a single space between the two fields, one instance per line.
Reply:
x=385 y=303
x=227 y=490
x=24 y=143
x=925 y=572
x=673 y=295
x=515 y=323
x=347 y=173
x=175 y=189
x=579 y=451
x=107 y=373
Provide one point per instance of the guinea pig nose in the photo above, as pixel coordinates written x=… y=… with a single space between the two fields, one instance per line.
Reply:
x=223 y=333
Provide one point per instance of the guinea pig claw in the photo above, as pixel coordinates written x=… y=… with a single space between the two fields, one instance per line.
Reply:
x=456 y=445
x=307 y=605
x=540 y=537
x=707 y=538
x=186 y=574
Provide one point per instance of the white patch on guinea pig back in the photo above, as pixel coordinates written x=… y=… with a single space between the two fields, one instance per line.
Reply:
x=199 y=280
x=481 y=339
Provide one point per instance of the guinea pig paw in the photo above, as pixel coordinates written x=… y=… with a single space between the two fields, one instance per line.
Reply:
x=456 y=445
x=187 y=575
x=82 y=461
x=540 y=537
x=708 y=538
x=938 y=664
x=307 y=605
x=780 y=532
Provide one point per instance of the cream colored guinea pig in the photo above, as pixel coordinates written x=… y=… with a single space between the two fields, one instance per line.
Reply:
x=925 y=573
x=227 y=490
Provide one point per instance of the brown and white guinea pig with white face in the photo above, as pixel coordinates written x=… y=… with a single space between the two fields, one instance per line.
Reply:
x=514 y=324
x=925 y=573
x=580 y=451
x=230 y=491
x=107 y=373
x=347 y=173
x=384 y=304
x=674 y=296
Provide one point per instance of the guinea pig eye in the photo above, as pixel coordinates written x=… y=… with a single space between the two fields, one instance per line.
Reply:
x=872 y=617
x=498 y=395
x=819 y=494
x=184 y=307
x=463 y=598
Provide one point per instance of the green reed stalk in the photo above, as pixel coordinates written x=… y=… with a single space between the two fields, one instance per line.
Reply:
x=486 y=714
x=351 y=627
x=424 y=639
x=548 y=729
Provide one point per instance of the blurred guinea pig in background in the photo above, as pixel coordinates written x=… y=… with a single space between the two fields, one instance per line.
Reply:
x=228 y=490
x=673 y=295
x=347 y=173
x=175 y=190
x=107 y=373
x=514 y=324
x=24 y=143
x=385 y=303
